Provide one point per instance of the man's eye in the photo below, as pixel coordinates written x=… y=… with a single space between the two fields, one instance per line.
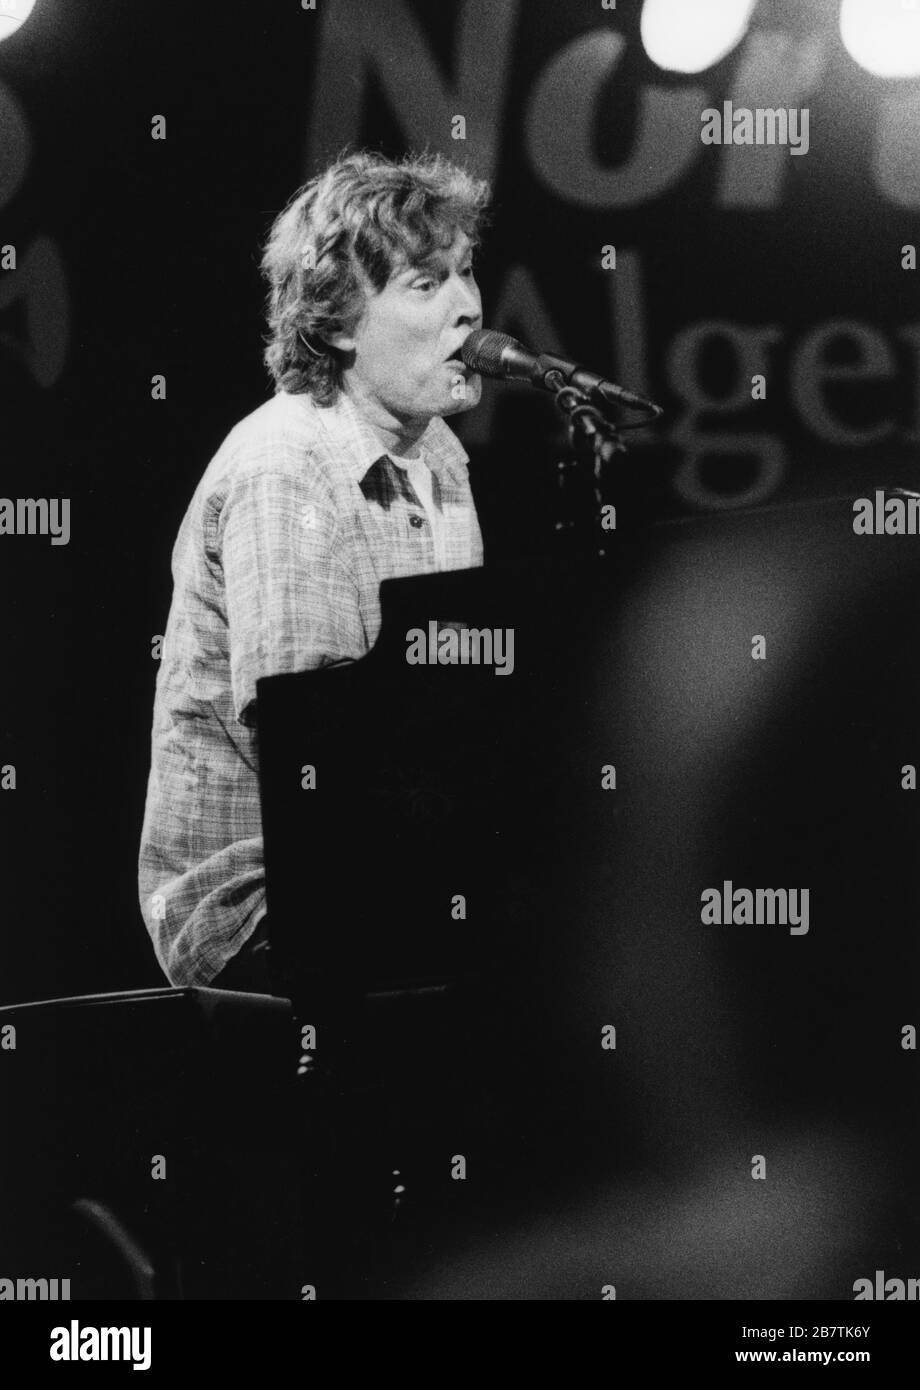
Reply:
x=426 y=284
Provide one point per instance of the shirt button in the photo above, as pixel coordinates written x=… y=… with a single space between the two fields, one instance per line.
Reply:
x=416 y=521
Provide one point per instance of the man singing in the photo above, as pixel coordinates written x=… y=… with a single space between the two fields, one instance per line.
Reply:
x=347 y=477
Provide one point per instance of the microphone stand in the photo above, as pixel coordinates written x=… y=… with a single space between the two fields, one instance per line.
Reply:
x=594 y=440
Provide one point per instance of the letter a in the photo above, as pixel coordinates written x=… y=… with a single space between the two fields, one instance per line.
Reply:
x=158 y=127
x=8 y=1037
x=608 y=1037
x=863 y=517
x=308 y=778
x=158 y=384
x=711 y=134
x=458 y=907
x=758 y=648
x=908 y=778
x=158 y=1167
x=714 y=907
x=758 y=387
x=415 y=653
x=758 y=1166
x=60 y=1344
x=909 y=1038
x=458 y=1167
x=609 y=777
x=908 y=257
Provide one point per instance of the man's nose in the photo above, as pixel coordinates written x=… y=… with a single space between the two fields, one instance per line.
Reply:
x=469 y=302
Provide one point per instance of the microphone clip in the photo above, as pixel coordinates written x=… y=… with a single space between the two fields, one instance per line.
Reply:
x=586 y=422
x=594 y=438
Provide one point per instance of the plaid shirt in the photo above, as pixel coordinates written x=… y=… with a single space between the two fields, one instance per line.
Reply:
x=298 y=518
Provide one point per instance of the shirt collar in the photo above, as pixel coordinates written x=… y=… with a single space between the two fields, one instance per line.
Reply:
x=361 y=446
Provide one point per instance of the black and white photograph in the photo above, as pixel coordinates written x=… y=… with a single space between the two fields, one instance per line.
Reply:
x=460 y=701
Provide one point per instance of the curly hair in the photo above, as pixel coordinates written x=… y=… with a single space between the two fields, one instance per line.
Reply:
x=356 y=222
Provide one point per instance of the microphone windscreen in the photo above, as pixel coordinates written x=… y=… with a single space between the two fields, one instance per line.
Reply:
x=482 y=351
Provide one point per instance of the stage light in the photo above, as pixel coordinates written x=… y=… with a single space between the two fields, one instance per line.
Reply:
x=883 y=36
x=13 y=13
x=692 y=35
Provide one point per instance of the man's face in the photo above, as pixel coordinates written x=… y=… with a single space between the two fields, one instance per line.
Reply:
x=407 y=344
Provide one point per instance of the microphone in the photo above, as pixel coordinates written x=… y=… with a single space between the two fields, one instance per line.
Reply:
x=498 y=354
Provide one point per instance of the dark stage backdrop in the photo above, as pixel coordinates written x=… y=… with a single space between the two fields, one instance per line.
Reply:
x=681 y=269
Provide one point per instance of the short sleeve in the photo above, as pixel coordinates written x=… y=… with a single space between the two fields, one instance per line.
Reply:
x=292 y=600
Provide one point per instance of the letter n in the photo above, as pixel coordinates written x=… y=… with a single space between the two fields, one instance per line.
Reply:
x=356 y=53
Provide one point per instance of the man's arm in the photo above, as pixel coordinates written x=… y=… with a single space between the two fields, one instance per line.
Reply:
x=292 y=601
